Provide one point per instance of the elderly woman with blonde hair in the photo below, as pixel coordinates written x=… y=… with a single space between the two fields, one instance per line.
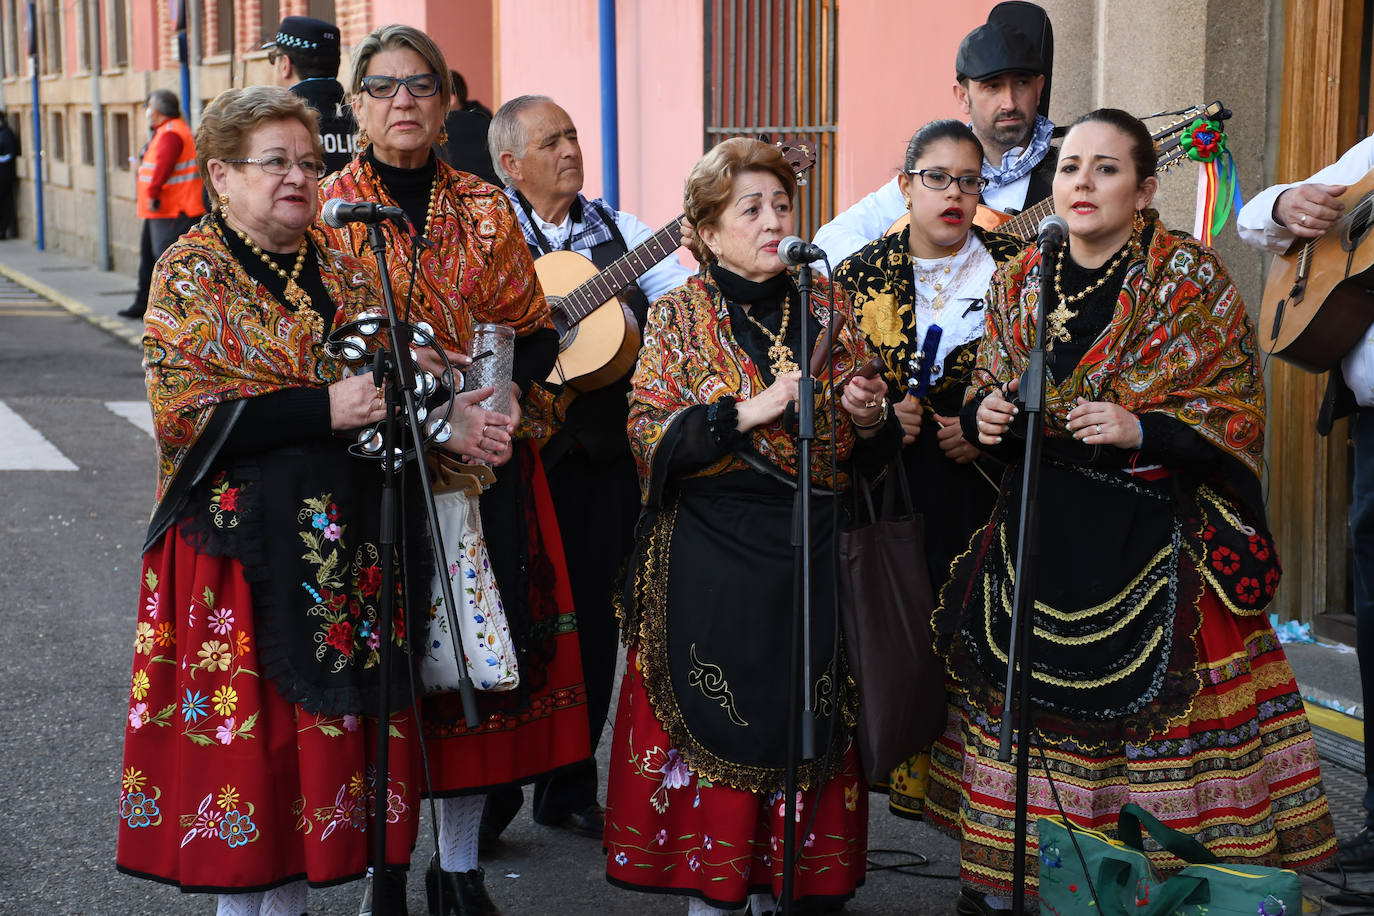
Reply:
x=249 y=757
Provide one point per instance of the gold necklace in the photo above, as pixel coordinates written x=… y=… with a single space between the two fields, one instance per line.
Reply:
x=780 y=353
x=296 y=297
x=1062 y=314
x=937 y=302
x=433 y=196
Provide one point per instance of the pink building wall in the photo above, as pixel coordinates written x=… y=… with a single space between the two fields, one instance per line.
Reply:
x=895 y=69
x=553 y=49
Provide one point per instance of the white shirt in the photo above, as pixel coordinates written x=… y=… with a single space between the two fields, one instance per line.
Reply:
x=972 y=267
x=1257 y=228
x=872 y=216
x=867 y=220
x=664 y=277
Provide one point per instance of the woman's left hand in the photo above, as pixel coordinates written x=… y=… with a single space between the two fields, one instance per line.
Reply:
x=1104 y=423
x=950 y=437
x=863 y=401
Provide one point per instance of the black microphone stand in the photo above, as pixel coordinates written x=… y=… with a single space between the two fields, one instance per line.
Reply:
x=394 y=373
x=1019 y=684
x=799 y=710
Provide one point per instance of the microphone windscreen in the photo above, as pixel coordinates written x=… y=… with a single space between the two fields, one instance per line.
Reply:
x=1054 y=229
x=330 y=213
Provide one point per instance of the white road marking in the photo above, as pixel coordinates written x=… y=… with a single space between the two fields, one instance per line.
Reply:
x=23 y=448
x=139 y=413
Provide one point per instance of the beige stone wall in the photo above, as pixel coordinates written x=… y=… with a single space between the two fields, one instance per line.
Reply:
x=1167 y=54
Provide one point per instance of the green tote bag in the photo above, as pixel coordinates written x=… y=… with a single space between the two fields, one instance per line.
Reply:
x=1126 y=882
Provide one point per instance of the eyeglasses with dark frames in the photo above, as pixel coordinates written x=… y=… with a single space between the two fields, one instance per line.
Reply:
x=420 y=86
x=272 y=56
x=939 y=179
x=280 y=165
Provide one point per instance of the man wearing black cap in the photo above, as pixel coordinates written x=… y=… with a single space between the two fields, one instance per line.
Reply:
x=305 y=57
x=1000 y=72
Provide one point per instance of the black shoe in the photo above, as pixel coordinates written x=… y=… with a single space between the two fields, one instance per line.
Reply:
x=971 y=903
x=465 y=892
x=589 y=822
x=1356 y=853
x=134 y=311
x=392 y=899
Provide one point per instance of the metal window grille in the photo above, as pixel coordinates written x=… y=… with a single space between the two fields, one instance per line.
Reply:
x=770 y=69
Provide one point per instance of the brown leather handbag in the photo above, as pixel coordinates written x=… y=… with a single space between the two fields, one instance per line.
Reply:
x=886 y=602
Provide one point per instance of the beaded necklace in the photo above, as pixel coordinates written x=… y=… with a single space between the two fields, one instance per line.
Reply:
x=1062 y=314
x=297 y=298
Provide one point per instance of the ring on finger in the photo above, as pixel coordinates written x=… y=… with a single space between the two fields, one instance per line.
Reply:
x=1303 y=219
x=1099 y=429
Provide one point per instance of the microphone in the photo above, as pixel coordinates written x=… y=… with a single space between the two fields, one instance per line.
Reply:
x=337 y=213
x=1052 y=233
x=794 y=252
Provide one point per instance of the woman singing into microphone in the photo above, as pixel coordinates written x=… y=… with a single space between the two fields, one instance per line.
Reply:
x=1157 y=677
x=694 y=800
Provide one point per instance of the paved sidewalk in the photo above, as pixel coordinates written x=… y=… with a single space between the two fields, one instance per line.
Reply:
x=1327 y=673
x=76 y=285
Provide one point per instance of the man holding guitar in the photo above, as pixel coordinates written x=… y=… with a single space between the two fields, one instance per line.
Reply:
x=1275 y=220
x=591 y=474
x=1000 y=76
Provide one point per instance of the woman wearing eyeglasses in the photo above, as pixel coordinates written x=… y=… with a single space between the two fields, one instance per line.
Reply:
x=918 y=296
x=249 y=754
x=476 y=268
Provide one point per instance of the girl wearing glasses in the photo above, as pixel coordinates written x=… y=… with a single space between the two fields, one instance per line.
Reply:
x=476 y=268
x=919 y=298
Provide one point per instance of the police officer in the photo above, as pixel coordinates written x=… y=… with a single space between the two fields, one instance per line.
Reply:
x=305 y=58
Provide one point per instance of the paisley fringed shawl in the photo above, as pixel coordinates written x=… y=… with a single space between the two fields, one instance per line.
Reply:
x=1179 y=342
x=215 y=336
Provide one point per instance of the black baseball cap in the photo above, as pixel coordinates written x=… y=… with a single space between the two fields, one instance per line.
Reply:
x=307 y=36
x=995 y=48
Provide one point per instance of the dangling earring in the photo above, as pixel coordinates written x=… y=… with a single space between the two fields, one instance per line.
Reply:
x=906 y=202
x=363 y=138
x=1138 y=224
x=224 y=201
x=443 y=136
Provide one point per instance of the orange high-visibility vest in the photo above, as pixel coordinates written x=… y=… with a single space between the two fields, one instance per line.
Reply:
x=181 y=191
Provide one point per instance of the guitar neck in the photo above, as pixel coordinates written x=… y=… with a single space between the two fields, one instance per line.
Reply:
x=621 y=272
x=1026 y=224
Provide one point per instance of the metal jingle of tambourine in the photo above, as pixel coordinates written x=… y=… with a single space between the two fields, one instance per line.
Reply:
x=439 y=430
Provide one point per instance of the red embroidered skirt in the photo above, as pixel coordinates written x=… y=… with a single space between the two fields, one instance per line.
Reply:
x=1238 y=770
x=670 y=831
x=226 y=787
x=517 y=742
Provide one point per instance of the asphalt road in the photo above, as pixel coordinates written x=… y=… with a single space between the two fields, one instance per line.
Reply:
x=69 y=566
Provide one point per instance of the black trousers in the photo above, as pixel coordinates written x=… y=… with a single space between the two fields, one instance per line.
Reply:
x=597 y=505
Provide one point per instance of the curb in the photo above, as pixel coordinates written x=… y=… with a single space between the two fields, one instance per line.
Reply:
x=115 y=326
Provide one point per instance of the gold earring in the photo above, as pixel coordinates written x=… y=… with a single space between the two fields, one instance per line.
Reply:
x=1138 y=224
x=363 y=138
x=906 y=202
x=223 y=201
x=443 y=136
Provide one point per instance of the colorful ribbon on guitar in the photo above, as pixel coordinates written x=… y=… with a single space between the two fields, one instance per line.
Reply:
x=1205 y=143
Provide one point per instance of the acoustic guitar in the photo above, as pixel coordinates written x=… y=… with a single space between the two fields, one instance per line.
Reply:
x=1319 y=297
x=1026 y=224
x=598 y=337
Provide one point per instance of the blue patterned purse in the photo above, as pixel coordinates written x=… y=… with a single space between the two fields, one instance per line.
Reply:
x=1126 y=882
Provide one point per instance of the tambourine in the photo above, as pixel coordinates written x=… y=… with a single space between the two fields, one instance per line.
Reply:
x=356 y=340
